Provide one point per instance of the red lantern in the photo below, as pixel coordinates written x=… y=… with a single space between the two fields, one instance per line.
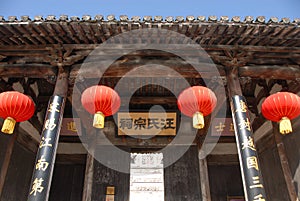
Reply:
x=101 y=101
x=14 y=107
x=196 y=102
x=282 y=107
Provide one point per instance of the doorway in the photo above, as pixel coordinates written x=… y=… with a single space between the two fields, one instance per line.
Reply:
x=146 y=177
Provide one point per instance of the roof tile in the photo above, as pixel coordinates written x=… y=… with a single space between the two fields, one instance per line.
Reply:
x=212 y=18
x=63 y=17
x=179 y=19
x=136 y=18
x=25 y=18
x=111 y=18
x=86 y=18
x=99 y=17
x=261 y=19
x=124 y=18
x=169 y=19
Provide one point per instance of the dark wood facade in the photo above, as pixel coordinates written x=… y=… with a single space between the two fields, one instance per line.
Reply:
x=264 y=54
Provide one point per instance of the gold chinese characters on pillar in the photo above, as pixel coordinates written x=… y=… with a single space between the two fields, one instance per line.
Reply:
x=142 y=123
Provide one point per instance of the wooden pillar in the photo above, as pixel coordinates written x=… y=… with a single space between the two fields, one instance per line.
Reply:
x=89 y=173
x=6 y=160
x=45 y=159
x=250 y=170
x=204 y=179
x=284 y=163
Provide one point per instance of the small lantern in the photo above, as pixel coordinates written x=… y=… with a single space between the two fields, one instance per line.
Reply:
x=197 y=102
x=282 y=107
x=15 y=107
x=101 y=101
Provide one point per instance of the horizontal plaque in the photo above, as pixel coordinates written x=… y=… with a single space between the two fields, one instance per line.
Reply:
x=70 y=127
x=143 y=123
x=222 y=127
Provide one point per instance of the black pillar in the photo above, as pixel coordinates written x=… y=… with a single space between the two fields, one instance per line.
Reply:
x=251 y=174
x=45 y=159
x=43 y=169
x=250 y=170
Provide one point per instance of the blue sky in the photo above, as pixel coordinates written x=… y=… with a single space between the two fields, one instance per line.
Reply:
x=268 y=8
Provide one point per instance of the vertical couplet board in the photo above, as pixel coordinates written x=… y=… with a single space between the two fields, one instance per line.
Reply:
x=43 y=169
x=251 y=174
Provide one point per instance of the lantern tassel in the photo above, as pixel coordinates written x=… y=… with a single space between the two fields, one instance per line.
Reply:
x=8 y=125
x=285 y=126
x=198 y=120
x=99 y=120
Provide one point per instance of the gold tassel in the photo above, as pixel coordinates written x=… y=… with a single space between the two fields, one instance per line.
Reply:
x=8 y=125
x=99 y=120
x=285 y=126
x=198 y=120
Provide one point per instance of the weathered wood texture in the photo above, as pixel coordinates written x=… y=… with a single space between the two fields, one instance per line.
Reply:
x=104 y=176
x=92 y=31
x=182 y=179
x=67 y=183
x=225 y=180
x=272 y=174
x=3 y=145
x=4 y=154
x=88 y=178
x=17 y=182
x=204 y=180
x=284 y=163
x=7 y=158
x=292 y=144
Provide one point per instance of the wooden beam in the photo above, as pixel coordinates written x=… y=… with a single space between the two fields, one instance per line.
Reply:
x=275 y=72
x=155 y=70
x=27 y=70
x=46 y=71
x=231 y=159
x=251 y=48
x=70 y=159
x=221 y=148
x=71 y=148
x=143 y=69
x=169 y=100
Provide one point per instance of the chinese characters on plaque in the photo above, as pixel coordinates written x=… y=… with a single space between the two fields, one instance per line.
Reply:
x=39 y=189
x=248 y=156
x=163 y=124
x=70 y=127
x=222 y=127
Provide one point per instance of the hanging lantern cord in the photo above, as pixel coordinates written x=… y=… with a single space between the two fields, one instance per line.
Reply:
x=198 y=120
x=8 y=125
x=285 y=126
x=99 y=120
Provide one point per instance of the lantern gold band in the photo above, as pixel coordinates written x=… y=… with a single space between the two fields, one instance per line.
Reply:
x=285 y=126
x=198 y=120
x=99 y=120
x=8 y=125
